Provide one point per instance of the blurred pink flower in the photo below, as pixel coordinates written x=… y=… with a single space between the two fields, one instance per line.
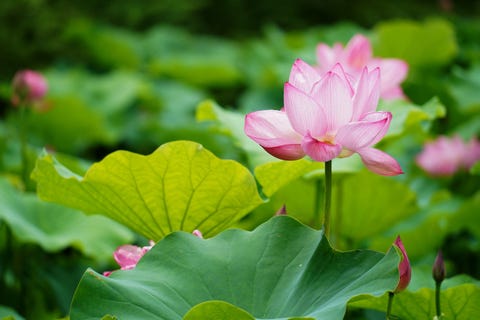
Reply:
x=404 y=267
x=356 y=55
x=445 y=156
x=127 y=256
x=29 y=87
x=325 y=117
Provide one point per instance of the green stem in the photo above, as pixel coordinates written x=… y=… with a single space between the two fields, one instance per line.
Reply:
x=317 y=213
x=338 y=211
x=390 y=302
x=328 y=198
x=437 y=298
x=22 y=128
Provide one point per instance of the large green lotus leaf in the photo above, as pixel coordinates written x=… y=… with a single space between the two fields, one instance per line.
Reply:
x=180 y=186
x=273 y=176
x=413 y=41
x=298 y=198
x=283 y=269
x=220 y=310
x=425 y=230
x=217 y=310
x=367 y=205
x=54 y=227
x=460 y=299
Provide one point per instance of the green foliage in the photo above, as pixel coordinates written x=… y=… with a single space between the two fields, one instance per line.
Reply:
x=216 y=310
x=460 y=299
x=282 y=269
x=114 y=88
x=407 y=117
x=9 y=314
x=413 y=41
x=181 y=186
x=55 y=227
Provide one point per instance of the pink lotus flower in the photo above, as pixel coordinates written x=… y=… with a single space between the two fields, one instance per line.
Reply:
x=355 y=56
x=29 y=87
x=445 y=156
x=325 y=117
x=404 y=268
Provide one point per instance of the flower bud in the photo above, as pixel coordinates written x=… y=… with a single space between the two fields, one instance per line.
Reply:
x=127 y=256
x=404 y=267
x=29 y=87
x=438 y=271
x=282 y=211
x=197 y=233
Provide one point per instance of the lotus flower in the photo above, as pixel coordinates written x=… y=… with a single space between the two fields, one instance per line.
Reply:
x=325 y=117
x=356 y=55
x=404 y=268
x=29 y=87
x=445 y=156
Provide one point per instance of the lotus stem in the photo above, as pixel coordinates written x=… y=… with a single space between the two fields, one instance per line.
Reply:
x=437 y=298
x=328 y=198
x=389 y=306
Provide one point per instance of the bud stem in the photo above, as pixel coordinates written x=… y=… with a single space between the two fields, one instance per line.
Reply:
x=390 y=302
x=438 y=284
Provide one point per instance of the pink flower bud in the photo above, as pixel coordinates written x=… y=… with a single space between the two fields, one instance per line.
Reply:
x=282 y=211
x=127 y=256
x=438 y=271
x=197 y=233
x=28 y=87
x=404 y=267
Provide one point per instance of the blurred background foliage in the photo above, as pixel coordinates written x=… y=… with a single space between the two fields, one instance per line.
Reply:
x=135 y=74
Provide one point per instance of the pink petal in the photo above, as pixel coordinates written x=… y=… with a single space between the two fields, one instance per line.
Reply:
x=394 y=72
x=327 y=57
x=303 y=76
x=319 y=150
x=367 y=93
x=379 y=162
x=127 y=256
x=347 y=78
x=333 y=95
x=270 y=128
x=472 y=153
x=358 y=52
x=364 y=133
x=197 y=233
x=286 y=152
x=404 y=268
x=304 y=113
